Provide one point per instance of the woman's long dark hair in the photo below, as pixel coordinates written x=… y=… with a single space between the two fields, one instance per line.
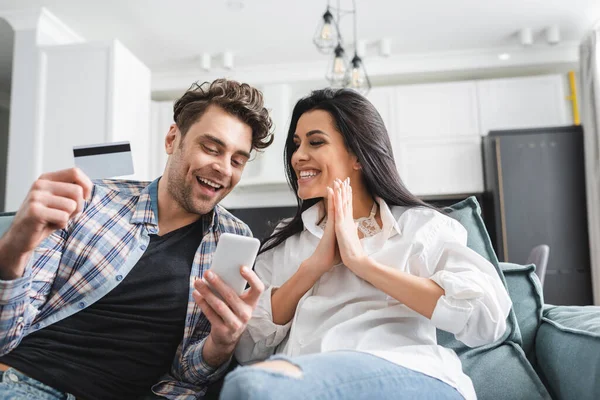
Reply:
x=364 y=135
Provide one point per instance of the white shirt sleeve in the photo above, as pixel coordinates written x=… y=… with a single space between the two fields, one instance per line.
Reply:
x=475 y=304
x=262 y=335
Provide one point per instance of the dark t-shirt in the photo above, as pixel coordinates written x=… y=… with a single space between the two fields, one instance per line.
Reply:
x=118 y=347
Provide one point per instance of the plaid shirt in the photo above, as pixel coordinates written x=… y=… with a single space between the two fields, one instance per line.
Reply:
x=76 y=266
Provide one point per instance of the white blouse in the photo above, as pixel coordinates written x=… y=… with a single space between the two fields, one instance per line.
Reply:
x=345 y=312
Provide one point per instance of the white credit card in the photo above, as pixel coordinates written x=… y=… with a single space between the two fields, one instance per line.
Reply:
x=105 y=160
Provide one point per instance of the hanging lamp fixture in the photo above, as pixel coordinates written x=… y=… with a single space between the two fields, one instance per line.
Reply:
x=328 y=40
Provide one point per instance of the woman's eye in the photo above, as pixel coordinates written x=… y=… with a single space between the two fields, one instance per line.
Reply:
x=316 y=143
x=238 y=163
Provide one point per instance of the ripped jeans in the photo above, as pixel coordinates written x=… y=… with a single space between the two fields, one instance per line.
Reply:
x=335 y=376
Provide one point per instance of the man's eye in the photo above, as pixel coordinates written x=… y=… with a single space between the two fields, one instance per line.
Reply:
x=211 y=150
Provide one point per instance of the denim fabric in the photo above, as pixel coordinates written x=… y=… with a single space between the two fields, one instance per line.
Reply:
x=336 y=375
x=16 y=386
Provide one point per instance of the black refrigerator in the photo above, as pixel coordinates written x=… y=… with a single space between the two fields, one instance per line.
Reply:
x=535 y=190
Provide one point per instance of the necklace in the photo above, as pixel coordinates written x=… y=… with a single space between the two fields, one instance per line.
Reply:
x=367 y=225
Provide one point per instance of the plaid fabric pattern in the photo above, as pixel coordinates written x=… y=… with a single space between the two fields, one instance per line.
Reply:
x=76 y=266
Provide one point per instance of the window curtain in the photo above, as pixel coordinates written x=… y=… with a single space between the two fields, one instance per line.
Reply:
x=590 y=96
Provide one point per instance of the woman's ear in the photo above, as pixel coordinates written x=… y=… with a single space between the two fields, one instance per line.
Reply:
x=356 y=165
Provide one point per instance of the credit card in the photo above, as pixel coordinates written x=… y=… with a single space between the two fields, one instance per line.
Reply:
x=105 y=160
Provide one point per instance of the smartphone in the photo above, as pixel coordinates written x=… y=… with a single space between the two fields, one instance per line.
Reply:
x=232 y=252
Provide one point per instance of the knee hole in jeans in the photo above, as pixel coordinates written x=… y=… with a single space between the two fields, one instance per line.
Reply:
x=282 y=367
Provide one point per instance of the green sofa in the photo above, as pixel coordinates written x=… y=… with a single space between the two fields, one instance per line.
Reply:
x=547 y=352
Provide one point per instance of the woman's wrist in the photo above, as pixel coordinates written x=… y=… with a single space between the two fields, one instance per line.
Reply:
x=362 y=266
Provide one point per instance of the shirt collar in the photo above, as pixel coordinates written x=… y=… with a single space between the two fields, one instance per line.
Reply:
x=146 y=210
x=313 y=215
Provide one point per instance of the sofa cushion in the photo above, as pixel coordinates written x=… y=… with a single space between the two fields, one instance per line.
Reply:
x=526 y=294
x=499 y=370
x=568 y=351
x=502 y=372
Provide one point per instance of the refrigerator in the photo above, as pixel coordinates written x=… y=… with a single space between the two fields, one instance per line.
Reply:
x=535 y=192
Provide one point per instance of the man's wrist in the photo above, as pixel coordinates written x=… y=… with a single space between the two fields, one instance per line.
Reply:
x=12 y=261
x=215 y=355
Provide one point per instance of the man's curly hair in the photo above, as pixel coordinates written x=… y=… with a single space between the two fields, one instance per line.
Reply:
x=238 y=99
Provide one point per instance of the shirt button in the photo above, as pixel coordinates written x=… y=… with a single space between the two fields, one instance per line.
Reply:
x=37 y=326
x=13 y=377
x=143 y=247
x=119 y=278
x=81 y=305
x=302 y=342
x=25 y=286
x=20 y=319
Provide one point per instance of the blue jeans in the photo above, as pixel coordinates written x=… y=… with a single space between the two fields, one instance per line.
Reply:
x=336 y=375
x=16 y=386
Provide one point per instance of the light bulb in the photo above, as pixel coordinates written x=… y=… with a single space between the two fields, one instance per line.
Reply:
x=339 y=69
x=356 y=80
x=326 y=31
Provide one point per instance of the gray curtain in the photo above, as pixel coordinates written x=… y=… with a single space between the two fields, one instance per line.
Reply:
x=590 y=96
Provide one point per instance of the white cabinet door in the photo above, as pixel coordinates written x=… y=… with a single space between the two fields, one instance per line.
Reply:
x=437 y=142
x=93 y=93
x=383 y=100
x=439 y=110
x=266 y=167
x=528 y=102
x=436 y=167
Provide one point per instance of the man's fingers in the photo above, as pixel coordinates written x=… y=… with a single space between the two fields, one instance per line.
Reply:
x=210 y=314
x=231 y=298
x=58 y=195
x=70 y=206
x=218 y=305
x=71 y=175
x=257 y=287
x=53 y=217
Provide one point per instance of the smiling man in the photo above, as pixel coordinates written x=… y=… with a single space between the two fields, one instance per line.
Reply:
x=99 y=289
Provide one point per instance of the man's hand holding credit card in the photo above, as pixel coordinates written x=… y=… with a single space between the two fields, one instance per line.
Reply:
x=105 y=160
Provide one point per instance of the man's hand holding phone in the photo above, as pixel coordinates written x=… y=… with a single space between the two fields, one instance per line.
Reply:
x=221 y=296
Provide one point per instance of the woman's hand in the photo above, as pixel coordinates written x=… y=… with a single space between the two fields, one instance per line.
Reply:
x=351 y=250
x=326 y=255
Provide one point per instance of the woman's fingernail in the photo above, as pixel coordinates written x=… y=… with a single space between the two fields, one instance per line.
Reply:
x=209 y=275
x=245 y=270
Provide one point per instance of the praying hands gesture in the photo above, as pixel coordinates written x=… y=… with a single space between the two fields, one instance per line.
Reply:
x=351 y=251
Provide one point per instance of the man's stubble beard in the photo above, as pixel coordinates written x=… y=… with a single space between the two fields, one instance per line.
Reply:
x=182 y=193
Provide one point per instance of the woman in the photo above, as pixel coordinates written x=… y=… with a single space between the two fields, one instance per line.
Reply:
x=359 y=280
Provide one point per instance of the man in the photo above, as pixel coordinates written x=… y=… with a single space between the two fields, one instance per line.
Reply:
x=99 y=289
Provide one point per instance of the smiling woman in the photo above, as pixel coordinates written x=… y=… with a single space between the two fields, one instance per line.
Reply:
x=363 y=275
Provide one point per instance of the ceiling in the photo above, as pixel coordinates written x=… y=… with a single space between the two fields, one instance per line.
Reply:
x=171 y=34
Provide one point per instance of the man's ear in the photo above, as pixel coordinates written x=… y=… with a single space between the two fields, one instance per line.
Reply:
x=171 y=139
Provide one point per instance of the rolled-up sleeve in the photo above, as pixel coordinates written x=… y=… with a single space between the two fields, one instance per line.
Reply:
x=262 y=335
x=475 y=304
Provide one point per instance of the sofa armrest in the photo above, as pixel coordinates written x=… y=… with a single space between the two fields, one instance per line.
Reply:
x=568 y=351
